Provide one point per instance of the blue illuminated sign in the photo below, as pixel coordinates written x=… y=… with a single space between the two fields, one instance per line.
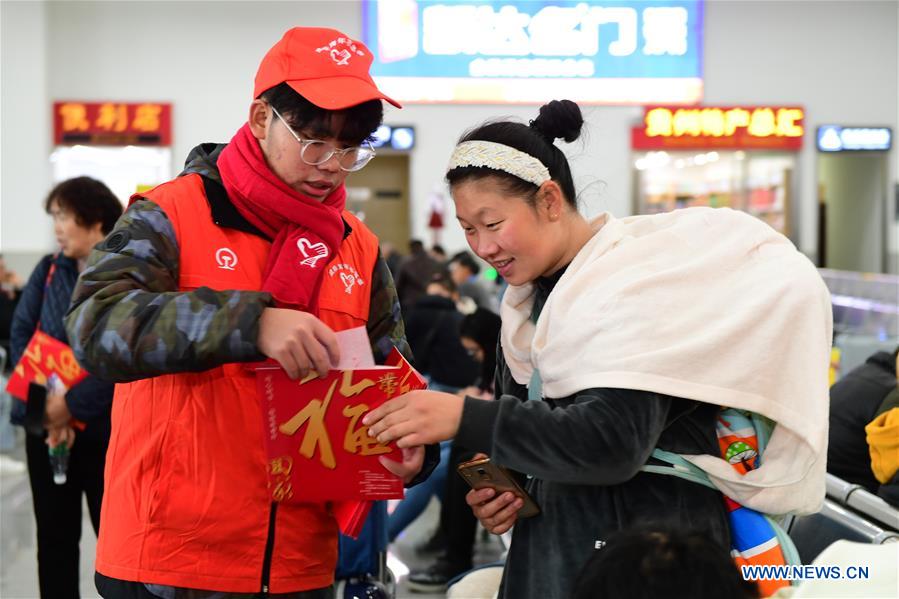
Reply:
x=834 y=138
x=611 y=52
x=394 y=137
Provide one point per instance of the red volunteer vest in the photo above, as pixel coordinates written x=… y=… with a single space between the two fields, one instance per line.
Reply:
x=186 y=501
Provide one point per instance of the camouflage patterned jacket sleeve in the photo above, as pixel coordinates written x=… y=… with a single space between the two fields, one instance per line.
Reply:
x=128 y=320
x=385 y=323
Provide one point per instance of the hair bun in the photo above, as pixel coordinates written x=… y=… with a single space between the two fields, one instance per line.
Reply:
x=559 y=119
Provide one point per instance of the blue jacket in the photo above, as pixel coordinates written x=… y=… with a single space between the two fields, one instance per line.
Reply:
x=90 y=401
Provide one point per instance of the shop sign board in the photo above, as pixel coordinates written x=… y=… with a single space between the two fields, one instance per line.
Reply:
x=720 y=127
x=505 y=51
x=834 y=138
x=112 y=123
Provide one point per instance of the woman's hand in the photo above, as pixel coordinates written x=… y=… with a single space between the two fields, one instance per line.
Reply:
x=413 y=458
x=496 y=514
x=56 y=414
x=61 y=434
x=416 y=418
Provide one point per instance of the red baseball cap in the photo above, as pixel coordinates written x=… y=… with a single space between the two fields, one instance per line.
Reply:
x=325 y=66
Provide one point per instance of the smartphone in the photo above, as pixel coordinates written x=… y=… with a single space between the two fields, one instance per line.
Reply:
x=481 y=473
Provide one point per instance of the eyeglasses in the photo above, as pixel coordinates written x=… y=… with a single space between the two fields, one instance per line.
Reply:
x=315 y=152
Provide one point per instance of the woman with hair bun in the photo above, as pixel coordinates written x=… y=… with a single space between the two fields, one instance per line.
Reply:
x=631 y=335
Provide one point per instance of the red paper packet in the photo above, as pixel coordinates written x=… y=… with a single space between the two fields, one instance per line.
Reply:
x=317 y=447
x=43 y=357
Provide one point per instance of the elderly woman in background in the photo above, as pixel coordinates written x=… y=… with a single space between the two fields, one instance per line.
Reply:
x=84 y=210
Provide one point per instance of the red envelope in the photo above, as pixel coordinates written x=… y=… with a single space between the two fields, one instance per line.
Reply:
x=44 y=356
x=318 y=449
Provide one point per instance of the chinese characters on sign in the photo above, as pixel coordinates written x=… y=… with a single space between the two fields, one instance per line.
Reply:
x=736 y=127
x=835 y=138
x=614 y=51
x=112 y=123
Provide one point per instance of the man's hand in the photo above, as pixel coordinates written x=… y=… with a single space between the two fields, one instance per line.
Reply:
x=299 y=341
x=413 y=458
x=57 y=411
x=416 y=418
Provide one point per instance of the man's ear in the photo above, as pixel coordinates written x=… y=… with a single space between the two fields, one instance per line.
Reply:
x=259 y=116
x=550 y=201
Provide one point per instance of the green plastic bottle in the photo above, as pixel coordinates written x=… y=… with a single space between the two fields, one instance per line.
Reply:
x=59 y=462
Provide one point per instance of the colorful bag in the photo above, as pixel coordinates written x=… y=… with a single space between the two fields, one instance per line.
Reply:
x=756 y=538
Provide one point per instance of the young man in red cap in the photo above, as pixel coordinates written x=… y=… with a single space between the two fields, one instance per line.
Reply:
x=248 y=254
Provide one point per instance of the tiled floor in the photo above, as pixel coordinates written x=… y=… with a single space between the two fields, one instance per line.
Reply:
x=18 y=566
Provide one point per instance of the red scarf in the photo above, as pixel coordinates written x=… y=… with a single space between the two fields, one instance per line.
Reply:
x=306 y=233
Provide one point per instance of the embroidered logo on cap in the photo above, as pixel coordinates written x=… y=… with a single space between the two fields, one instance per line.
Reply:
x=341 y=50
x=312 y=252
x=226 y=258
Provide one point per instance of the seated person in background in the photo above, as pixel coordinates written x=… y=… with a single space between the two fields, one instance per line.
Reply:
x=438 y=253
x=456 y=531
x=650 y=563
x=432 y=328
x=414 y=274
x=480 y=334
x=464 y=270
x=864 y=426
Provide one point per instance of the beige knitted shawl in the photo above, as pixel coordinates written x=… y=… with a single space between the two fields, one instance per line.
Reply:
x=706 y=304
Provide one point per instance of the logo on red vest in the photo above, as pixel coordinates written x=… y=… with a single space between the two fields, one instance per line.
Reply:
x=348 y=276
x=226 y=258
x=312 y=252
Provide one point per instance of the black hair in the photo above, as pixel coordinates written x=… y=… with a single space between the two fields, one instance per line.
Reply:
x=443 y=278
x=558 y=119
x=89 y=200
x=483 y=327
x=359 y=122
x=438 y=249
x=463 y=258
x=647 y=563
x=416 y=246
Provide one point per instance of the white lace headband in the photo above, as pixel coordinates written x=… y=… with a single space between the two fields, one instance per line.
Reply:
x=499 y=157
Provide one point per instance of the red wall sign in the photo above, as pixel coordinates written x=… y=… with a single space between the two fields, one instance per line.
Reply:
x=711 y=127
x=112 y=123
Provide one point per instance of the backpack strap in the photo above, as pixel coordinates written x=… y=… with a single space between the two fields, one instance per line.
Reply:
x=681 y=468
